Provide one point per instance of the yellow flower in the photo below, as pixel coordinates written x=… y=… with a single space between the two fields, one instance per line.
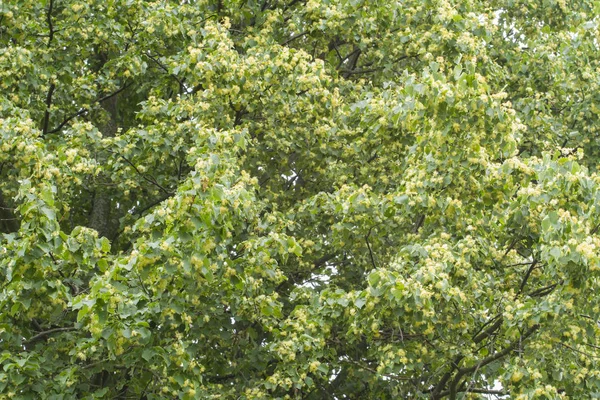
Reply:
x=516 y=376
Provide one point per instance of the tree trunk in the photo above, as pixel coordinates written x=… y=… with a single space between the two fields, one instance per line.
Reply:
x=100 y=216
x=8 y=221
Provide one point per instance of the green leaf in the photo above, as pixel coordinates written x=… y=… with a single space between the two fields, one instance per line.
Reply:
x=147 y=354
x=360 y=302
x=105 y=243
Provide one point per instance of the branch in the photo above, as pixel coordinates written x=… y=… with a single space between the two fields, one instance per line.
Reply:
x=291 y=39
x=476 y=390
x=511 y=246
x=369 y=247
x=371 y=370
x=353 y=62
x=113 y=94
x=85 y=110
x=143 y=210
x=66 y=121
x=488 y=360
x=372 y=158
x=316 y=264
x=591 y=345
x=49 y=20
x=47 y=112
x=487 y=391
x=321 y=261
x=479 y=337
x=437 y=390
x=343 y=60
x=48 y=332
x=181 y=85
x=264 y=5
x=500 y=354
x=218 y=379
x=360 y=71
x=579 y=351
x=152 y=181
x=419 y=223
x=289 y=5
x=154 y=203
x=526 y=277
x=544 y=290
x=519 y=264
x=8 y=221
x=352 y=71
x=337 y=51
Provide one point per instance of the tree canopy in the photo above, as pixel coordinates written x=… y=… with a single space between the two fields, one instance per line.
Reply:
x=299 y=199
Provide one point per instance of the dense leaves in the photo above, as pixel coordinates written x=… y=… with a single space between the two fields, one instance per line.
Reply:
x=299 y=199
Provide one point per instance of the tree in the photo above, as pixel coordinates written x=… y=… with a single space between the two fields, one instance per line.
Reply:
x=299 y=199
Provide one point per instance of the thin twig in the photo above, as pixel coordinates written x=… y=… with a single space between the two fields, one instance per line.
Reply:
x=478 y=391
x=85 y=110
x=145 y=177
x=370 y=250
x=579 y=351
x=48 y=332
x=291 y=39
x=182 y=88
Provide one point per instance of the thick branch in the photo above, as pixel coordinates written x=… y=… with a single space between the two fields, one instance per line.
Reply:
x=500 y=354
x=321 y=261
x=488 y=360
x=343 y=60
x=353 y=61
x=8 y=221
x=437 y=390
x=526 y=277
x=48 y=105
x=544 y=291
x=419 y=223
x=354 y=71
x=370 y=250
x=49 y=20
x=478 y=338
x=102 y=204
x=489 y=331
x=222 y=378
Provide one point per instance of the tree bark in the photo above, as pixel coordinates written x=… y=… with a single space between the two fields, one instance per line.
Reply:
x=8 y=221
x=100 y=216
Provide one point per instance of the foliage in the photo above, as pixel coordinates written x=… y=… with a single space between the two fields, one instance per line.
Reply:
x=299 y=199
